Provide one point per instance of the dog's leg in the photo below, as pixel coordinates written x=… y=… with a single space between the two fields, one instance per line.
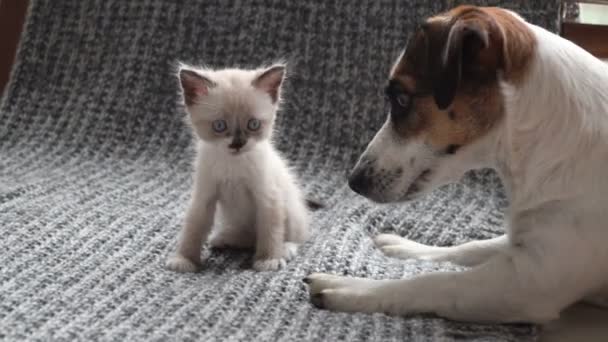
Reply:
x=468 y=254
x=509 y=287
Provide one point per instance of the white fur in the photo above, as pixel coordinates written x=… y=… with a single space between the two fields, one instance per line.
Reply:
x=551 y=151
x=252 y=193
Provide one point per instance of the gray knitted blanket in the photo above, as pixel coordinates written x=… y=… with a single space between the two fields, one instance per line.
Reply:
x=95 y=167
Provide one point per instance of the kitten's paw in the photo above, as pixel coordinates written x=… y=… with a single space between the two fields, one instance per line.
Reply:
x=388 y=240
x=179 y=263
x=291 y=250
x=269 y=264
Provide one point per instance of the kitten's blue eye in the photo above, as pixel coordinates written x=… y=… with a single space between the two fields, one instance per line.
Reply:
x=254 y=124
x=219 y=126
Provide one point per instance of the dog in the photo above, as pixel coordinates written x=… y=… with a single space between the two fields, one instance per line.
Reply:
x=479 y=87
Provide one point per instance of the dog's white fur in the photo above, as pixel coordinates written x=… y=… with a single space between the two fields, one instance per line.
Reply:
x=551 y=151
x=256 y=196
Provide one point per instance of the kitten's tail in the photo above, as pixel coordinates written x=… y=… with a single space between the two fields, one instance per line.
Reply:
x=314 y=205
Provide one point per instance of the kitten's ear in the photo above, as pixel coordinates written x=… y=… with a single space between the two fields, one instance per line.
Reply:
x=270 y=80
x=194 y=86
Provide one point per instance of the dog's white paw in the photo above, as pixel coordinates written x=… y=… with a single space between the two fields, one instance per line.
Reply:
x=318 y=282
x=397 y=247
x=339 y=293
x=179 y=263
x=388 y=240
x=291 y=250
x=403 y=252
x=269 y=264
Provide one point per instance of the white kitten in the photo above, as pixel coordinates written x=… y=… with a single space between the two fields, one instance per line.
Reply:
x=240 y=178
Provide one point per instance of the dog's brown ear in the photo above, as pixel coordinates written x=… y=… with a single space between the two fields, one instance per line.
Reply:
x=472 y=46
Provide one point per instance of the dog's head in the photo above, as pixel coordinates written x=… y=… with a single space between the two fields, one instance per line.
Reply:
x=444 y=96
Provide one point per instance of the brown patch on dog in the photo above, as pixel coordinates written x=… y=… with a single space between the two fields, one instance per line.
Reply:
x=474 y=115
x=519 y=44
x=451 y=69
x=408 y=82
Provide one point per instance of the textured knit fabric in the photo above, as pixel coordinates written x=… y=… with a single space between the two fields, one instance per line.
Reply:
x=95 y=172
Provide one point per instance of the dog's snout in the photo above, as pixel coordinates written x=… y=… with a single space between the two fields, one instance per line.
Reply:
x=359 y=182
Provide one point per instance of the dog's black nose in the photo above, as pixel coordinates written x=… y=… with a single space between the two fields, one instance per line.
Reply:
x=359 y=182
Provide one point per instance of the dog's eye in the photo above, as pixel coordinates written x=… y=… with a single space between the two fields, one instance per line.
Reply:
x=387 y=94
x=451 y=149
x=403 y=100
